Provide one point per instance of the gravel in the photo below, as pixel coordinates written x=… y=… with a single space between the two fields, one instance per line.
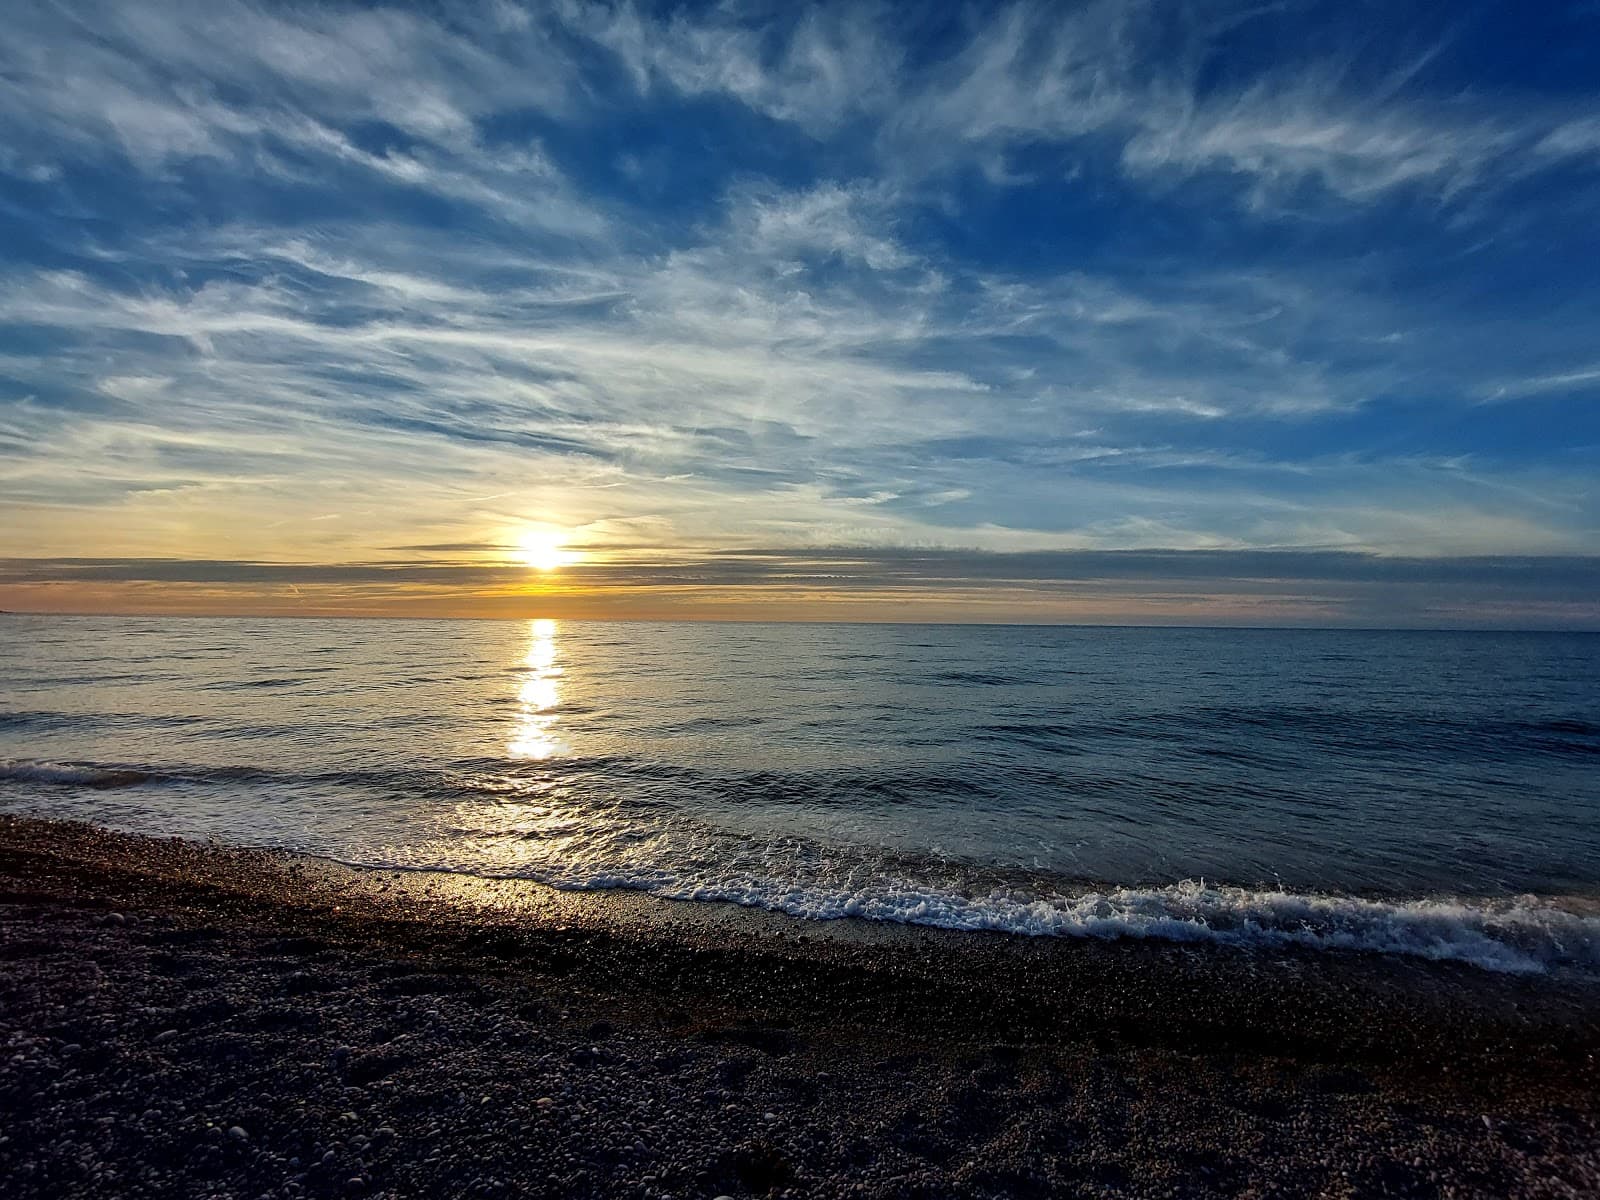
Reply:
x=184 y=1021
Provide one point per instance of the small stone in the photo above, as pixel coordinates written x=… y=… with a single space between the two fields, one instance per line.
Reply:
x=238 y=1134
x=166 y=1035
x=544 y=1102
x=116 y=918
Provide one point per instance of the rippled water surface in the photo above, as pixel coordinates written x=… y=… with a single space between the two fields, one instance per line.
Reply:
x=1427 y=793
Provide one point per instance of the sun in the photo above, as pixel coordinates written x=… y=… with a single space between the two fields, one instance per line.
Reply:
x=543 y=550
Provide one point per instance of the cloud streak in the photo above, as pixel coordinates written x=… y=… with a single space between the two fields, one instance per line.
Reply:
x=294 y=284
x=1329 y=587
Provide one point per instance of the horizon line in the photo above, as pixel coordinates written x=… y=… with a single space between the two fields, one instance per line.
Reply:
x=1586 y=631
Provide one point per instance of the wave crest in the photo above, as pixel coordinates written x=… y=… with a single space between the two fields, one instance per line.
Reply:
x=68 y=774
x=1521 y=936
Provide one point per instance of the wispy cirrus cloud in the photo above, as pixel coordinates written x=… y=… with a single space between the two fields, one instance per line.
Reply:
x=294 y=283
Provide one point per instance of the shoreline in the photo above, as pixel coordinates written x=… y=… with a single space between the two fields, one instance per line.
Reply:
x=891 y=1060
x=1552 y=935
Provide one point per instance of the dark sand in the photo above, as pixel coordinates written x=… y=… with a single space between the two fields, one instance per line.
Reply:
x=181 y=1020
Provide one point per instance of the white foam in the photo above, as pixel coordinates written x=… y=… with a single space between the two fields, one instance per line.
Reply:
x=597 y=849
x=683 y=861
x=1523 y=936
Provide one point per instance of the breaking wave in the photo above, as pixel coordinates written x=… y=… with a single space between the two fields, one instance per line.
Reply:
x=68 y=774
x=1524 y=936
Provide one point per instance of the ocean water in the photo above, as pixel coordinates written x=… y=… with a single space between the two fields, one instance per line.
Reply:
x=1429 y=794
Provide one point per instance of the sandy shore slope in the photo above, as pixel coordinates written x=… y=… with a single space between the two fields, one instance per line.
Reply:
x=183 y=1020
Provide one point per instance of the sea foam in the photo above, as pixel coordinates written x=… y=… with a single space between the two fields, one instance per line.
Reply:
x=1524 y=935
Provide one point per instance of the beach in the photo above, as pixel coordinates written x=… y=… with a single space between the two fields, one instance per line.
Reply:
x=714 y=600
x=184 y=1019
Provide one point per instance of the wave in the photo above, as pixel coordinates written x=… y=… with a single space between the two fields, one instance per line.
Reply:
x=976 y=679
x=21 y=719
x=544 y=823
x=1203 y=729
x=1523 y=935
x=241 y=685
x=1519 y=937
x=71 y=775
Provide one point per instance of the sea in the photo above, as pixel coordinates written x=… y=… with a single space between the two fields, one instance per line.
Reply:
x=1434 y=795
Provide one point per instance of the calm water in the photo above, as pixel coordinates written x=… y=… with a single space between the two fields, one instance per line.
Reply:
x=1425 y=793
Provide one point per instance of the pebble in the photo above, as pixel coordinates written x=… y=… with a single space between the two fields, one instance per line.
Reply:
x=663 y=1133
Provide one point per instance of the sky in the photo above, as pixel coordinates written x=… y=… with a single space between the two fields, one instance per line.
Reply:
x=1127 y=312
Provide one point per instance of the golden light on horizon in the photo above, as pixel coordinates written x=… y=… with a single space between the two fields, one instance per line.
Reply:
x=544 y=549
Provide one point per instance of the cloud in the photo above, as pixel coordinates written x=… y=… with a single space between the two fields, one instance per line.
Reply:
x=1573 y=139
x=1553 y=577
x=1581 y=379
x=1281 y=136
x=759 y=373
x=1032 y=278
x=184 y=78
x=824 y=222
x=165 y=83
x=813 y=66
x=1337 y=587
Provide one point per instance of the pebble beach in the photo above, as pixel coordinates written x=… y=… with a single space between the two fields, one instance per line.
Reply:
x=186 y=1020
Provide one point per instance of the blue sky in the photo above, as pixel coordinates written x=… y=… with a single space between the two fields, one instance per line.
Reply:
x=855 y=310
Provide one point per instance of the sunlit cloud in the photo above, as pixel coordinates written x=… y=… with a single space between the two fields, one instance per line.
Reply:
x=594 y=285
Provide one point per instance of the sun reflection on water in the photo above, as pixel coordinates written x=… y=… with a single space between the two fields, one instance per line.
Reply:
x=538 y=697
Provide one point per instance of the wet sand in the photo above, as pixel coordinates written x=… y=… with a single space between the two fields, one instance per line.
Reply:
x=186 y=1020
